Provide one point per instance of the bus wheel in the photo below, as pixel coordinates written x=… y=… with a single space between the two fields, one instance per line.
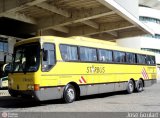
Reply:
x=69 y=94
x=139 y=86
x=13 y=93
x=26 y=96
x=130 y=87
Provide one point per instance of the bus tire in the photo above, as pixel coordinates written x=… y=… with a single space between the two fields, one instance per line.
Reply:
x=13 y=93
x=130 y=87
x=139 y=86
x=69 y=94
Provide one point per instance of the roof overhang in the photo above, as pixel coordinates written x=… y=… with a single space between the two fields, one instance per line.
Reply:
x=104 y=19
x=128 y=16
x=155 y=4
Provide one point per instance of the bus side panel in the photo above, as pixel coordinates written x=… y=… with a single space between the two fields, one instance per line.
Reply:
x=149 y=82
x=89 y=77
x=49 y=93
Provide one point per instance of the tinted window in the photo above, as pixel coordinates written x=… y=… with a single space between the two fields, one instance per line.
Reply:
x=119 y=56
x=26 y=58
x=141 y=59
x=150 y=60
x=49 y=59
x=105 y=56
x=130 y=58
x=69 y=53
x=88 y=54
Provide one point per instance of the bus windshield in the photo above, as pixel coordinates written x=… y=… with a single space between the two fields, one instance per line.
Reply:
x=26 y=58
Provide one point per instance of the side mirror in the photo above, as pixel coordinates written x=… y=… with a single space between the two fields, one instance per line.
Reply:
x=5 y=58
x=7 y=68
x=45 y=55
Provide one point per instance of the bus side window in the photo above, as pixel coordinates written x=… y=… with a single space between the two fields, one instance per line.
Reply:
x=49 y=59
x=130 y=58
x=69 y=52
x=141 y=59
x=153 y=61
x=119 y=57
x=150 y=60
x=105 y=55
x=88 y=54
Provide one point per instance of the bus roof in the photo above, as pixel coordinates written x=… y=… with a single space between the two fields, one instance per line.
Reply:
x=92 y=40
x=83 y=41
x=30 y=40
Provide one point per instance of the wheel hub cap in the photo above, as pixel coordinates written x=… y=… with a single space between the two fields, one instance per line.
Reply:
x=70 y=94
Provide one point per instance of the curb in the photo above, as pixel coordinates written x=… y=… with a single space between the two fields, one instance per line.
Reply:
x=4 y=93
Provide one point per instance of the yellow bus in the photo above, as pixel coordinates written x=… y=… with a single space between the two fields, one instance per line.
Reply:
x=49 y=67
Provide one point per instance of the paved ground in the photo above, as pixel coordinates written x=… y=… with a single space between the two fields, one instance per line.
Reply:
x=148 y=100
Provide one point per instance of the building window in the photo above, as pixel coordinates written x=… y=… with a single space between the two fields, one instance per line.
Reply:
x=151 y=50
x=156 y=36
x=147 y=19
x=3 y=45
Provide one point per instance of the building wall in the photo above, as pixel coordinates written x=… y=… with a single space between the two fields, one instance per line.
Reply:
x=11 y=41
x=151 y=18
x=151 y=13
x=141 y=42
x=133 y=42
x=130 y=5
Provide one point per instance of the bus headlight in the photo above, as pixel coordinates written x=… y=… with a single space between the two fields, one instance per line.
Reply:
x=30 y=87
